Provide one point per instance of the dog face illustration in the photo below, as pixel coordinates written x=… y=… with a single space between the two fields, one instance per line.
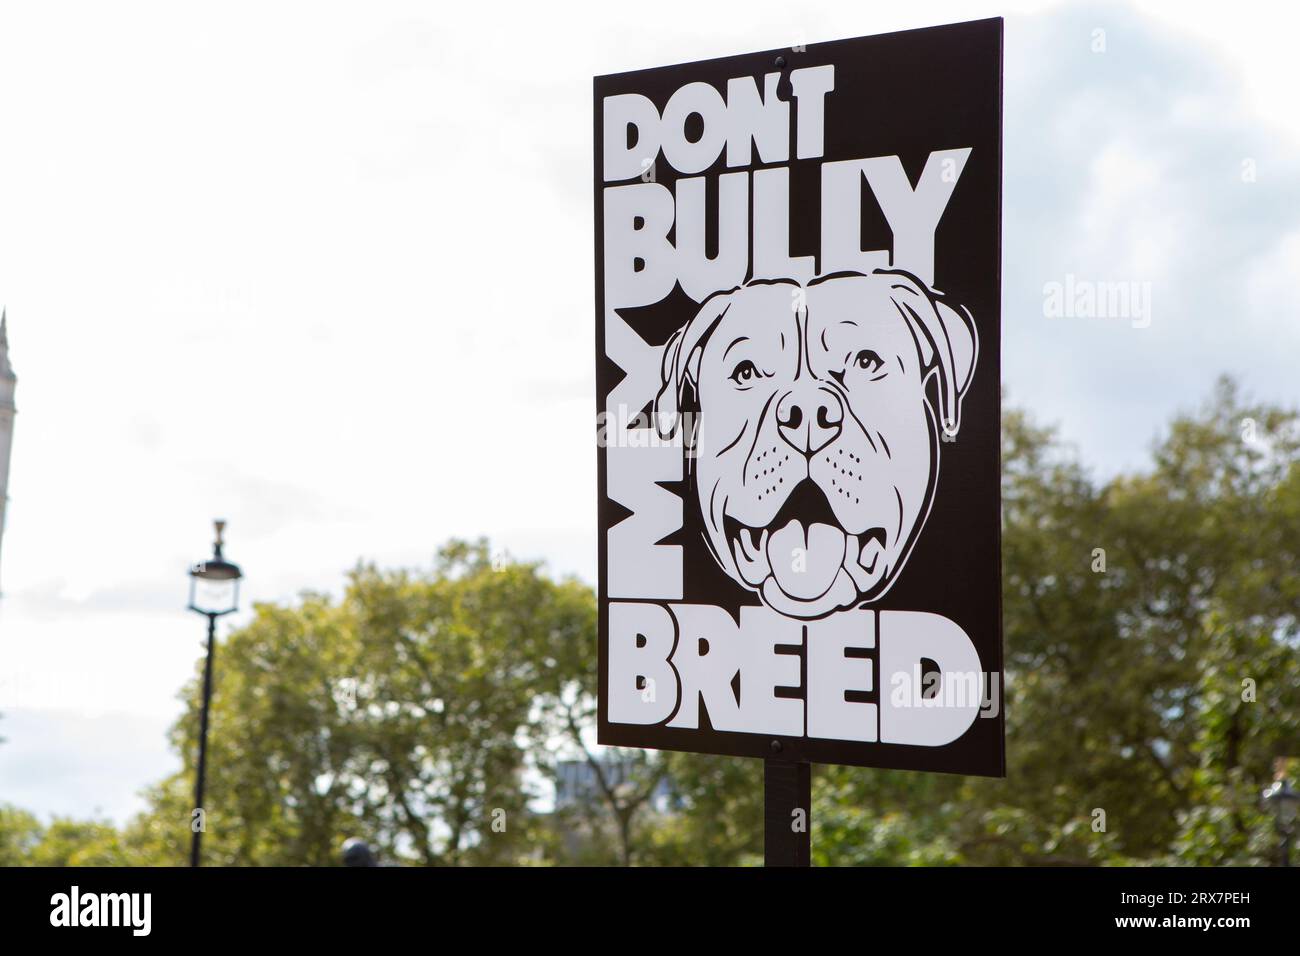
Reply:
x=816 y=444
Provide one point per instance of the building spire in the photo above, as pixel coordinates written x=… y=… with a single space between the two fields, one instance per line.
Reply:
x=8 y=381
x=5 y=368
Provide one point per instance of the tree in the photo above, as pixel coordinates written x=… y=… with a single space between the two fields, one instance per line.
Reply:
x=403 y=714
x=64 y=842
x=20 y=832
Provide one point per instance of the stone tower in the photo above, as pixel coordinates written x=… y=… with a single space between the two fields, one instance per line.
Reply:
x=8 y=380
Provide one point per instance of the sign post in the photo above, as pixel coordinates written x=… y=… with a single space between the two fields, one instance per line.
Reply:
x=787 y=813
x=798 y=300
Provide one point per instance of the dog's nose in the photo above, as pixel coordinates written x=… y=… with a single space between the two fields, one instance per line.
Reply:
x=809 y=421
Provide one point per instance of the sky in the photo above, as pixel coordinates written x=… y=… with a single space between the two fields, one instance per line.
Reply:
x=288 y=264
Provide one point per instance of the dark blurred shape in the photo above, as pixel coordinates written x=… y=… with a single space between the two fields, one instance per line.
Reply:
x=358 y=853
x=1284 y=801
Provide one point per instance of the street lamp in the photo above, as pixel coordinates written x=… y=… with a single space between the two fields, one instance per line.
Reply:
x=1283 y=800
x=214 y=593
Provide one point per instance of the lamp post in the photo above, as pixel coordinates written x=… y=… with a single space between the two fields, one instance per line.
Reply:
x=1283 y=800
x=214 y=593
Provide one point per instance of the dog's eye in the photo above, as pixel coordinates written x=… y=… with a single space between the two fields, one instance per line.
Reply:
x=744 y=373
x=869 y=360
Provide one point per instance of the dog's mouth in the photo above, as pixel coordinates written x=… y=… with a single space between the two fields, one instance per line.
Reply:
x=804 y=548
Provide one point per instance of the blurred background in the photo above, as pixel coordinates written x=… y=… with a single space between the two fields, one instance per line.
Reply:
x=251 y=267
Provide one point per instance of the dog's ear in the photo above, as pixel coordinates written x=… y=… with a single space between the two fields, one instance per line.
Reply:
x=962 y=341
x=947 y=343
x=681 y=362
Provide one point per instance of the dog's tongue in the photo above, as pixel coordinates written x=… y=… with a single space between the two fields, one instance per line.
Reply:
x=805 y=563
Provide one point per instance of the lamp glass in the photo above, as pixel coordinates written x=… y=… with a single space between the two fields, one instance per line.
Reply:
x=214 y=596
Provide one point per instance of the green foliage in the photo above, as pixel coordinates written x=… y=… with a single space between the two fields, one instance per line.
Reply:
x=20 y=833
x=720 y=821
x=403 y=714
x=25 y=842
x=1146 y=703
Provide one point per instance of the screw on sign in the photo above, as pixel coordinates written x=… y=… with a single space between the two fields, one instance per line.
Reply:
x=798 y=342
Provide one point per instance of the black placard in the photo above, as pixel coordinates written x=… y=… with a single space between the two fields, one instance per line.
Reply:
x=798 y=261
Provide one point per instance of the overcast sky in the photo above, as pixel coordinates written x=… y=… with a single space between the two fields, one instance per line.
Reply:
x=290 y=263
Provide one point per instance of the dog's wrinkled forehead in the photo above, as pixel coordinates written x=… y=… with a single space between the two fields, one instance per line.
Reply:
x=766 y=310
x=768 y=320
x=856 y=311
x=891 y=301
x=768 y=305
x=763 y=308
